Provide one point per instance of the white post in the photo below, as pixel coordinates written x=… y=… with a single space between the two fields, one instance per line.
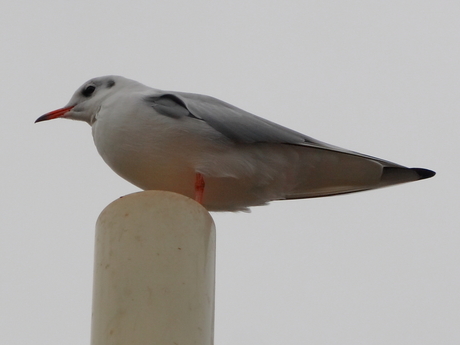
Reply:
x=154 y=272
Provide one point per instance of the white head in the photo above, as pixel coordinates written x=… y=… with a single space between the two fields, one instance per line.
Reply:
x=87 y=100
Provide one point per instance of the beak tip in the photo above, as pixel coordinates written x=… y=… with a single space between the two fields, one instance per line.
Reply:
x=42 y=118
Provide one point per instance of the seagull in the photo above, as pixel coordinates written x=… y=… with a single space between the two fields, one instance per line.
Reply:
x=224 y=157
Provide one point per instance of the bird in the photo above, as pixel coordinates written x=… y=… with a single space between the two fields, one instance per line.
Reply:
x=225 y=158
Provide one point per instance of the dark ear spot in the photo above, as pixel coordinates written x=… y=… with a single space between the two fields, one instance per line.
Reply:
x=110 y=83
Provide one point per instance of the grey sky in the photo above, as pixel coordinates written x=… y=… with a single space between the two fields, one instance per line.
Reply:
x=378 y=267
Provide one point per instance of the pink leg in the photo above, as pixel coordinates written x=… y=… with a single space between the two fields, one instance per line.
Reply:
x=199 y=188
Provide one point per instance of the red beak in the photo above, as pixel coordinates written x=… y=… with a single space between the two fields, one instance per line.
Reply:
x=54 y=114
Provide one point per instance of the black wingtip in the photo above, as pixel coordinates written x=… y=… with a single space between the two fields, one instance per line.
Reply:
x=395 y=175
x=424 y=173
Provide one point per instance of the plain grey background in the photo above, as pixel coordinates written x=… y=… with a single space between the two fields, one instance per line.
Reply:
x=381 y=78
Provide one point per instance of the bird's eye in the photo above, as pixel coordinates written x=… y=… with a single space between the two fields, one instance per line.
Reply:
x=88 y=91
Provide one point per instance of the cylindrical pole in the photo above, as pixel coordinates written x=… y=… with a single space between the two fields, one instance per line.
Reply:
x=154 y=272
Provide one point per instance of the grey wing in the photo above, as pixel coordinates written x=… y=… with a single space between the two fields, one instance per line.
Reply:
x=245 y=128
x=235 y=123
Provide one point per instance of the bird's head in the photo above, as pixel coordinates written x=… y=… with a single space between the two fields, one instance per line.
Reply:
x=86 y=101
